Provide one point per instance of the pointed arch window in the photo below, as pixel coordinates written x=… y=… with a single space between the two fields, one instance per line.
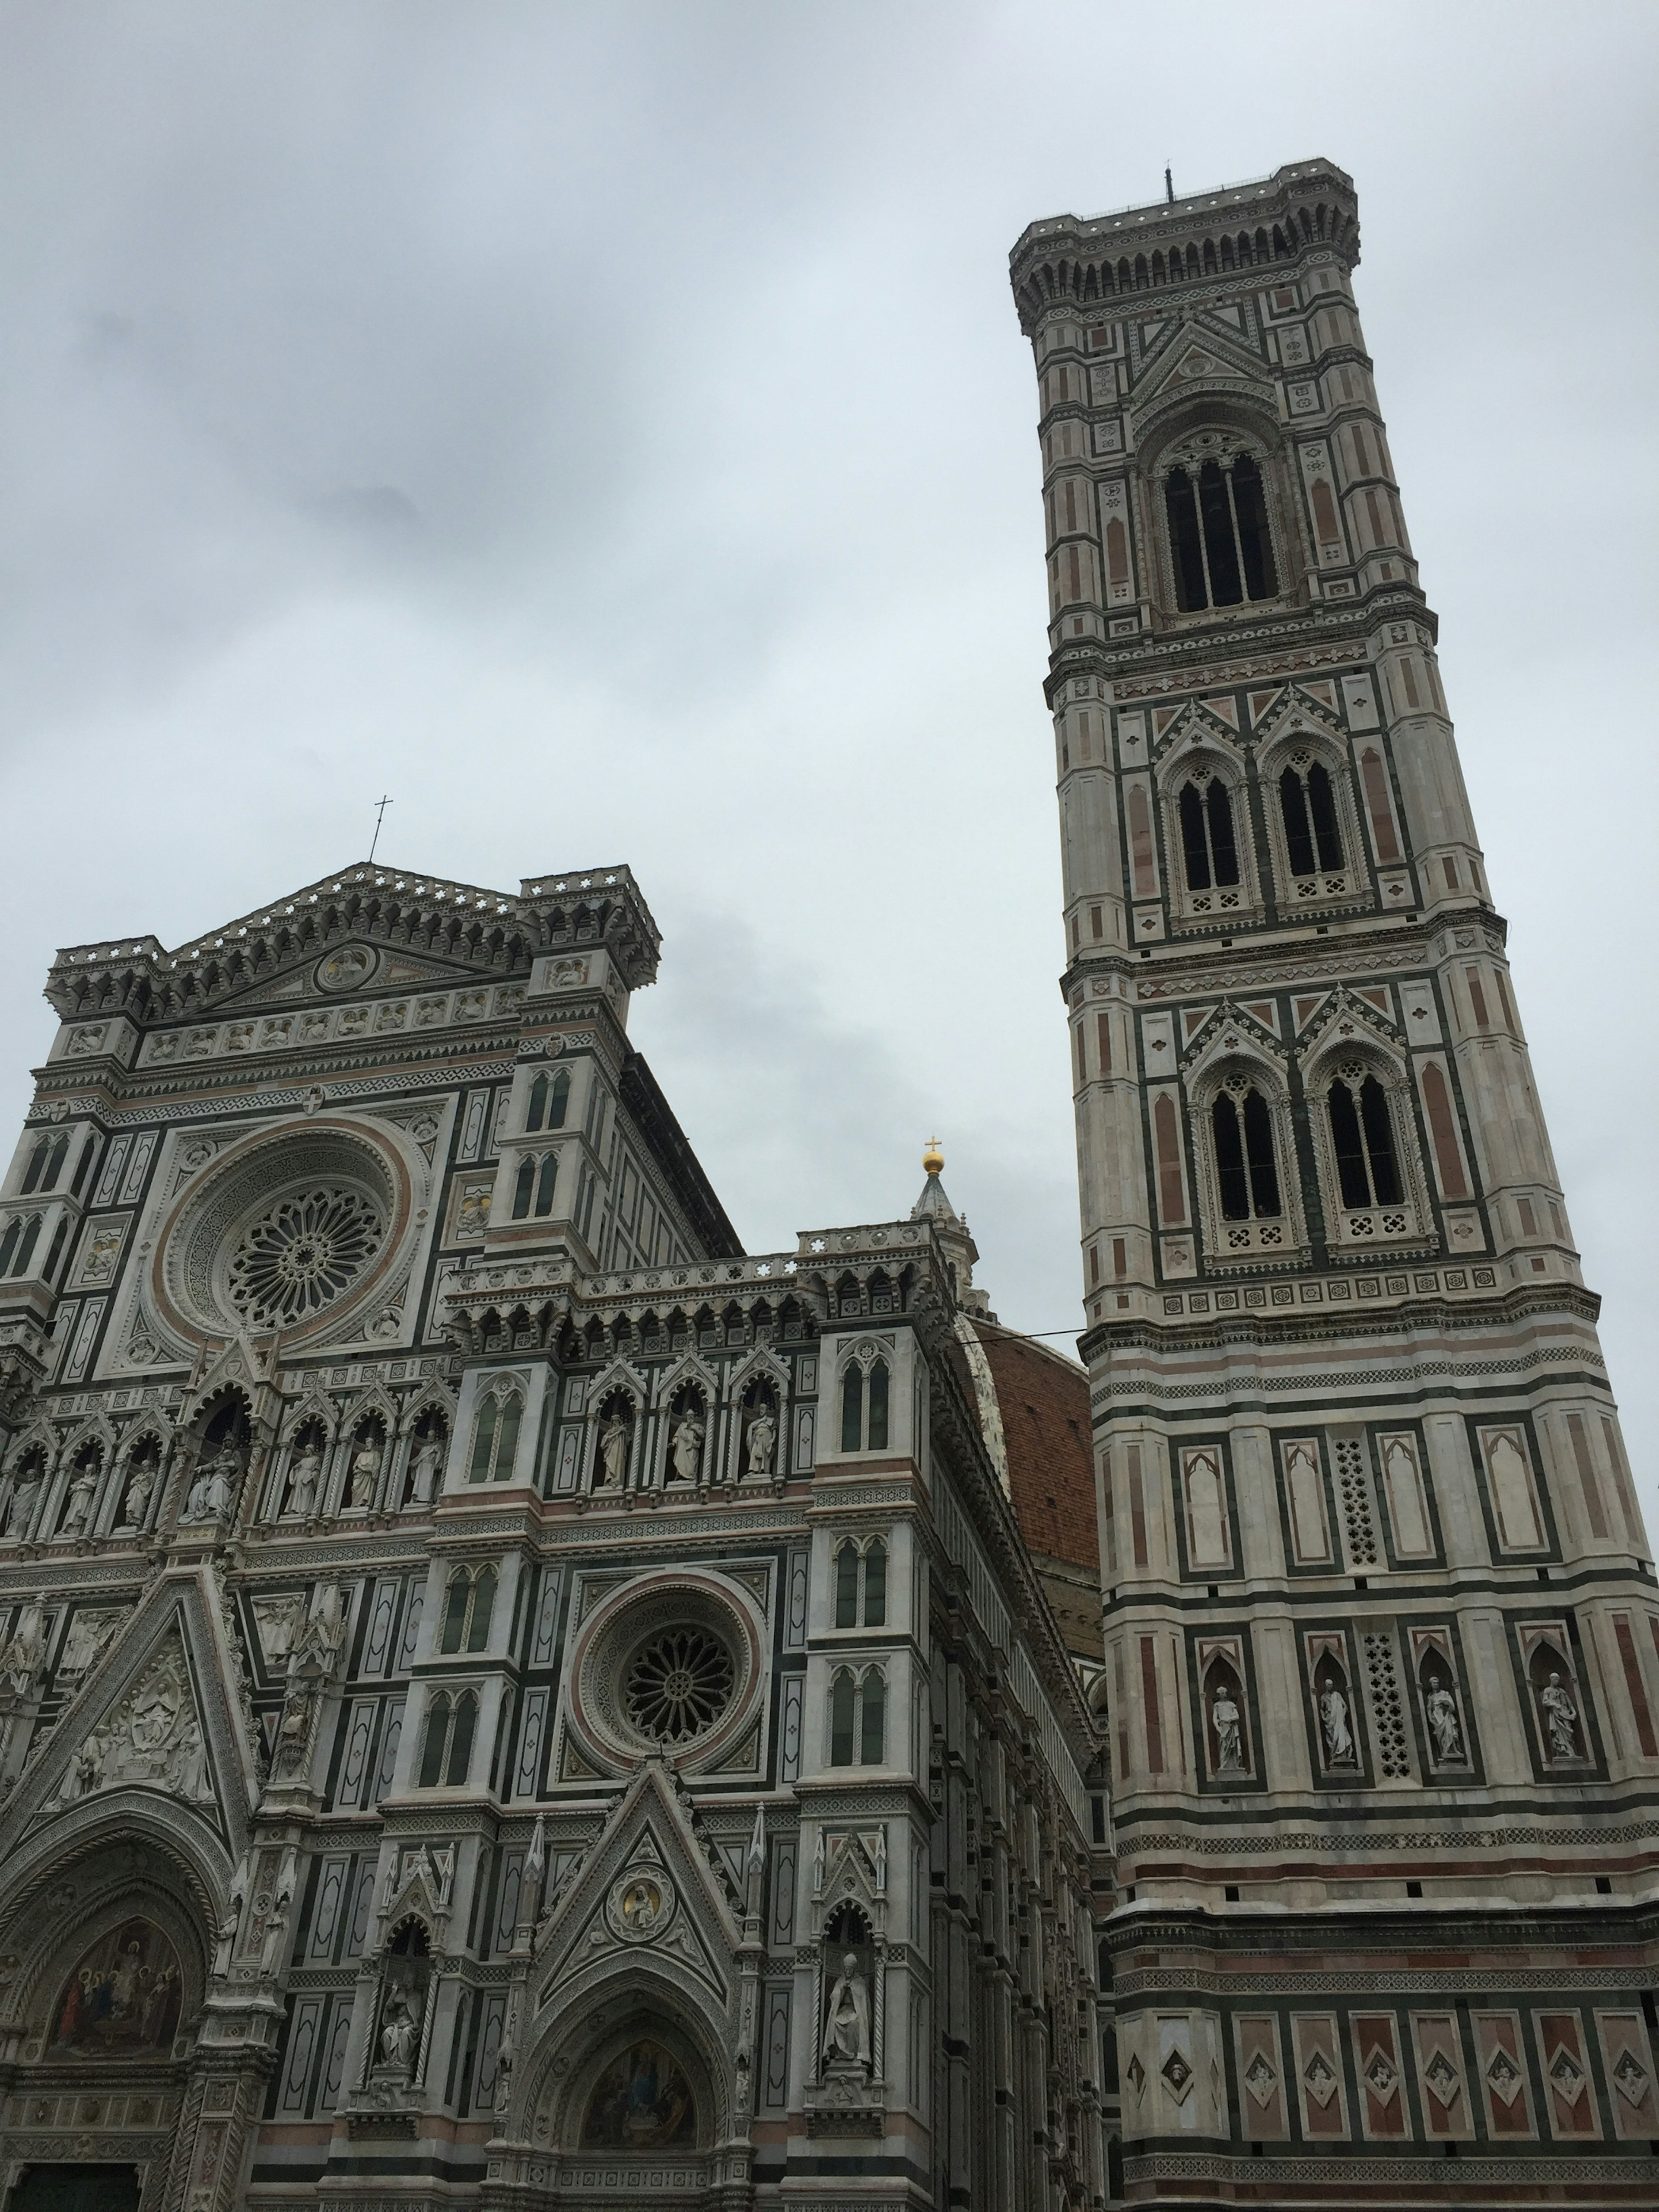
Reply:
x=1247 y=1173
x=1207 y=842
x=858 y=1718
x=446 y=1748
x=545 y=1181
x=468 y=1609
x=1307 y=800
x=1219 y=540
x=523 y=1188
x=9 y=1245
x=862 y=1584
x=864 y=1408
x=495 y=1439
x=550 y=1096
x=1362 y=1138
x=37 y=1166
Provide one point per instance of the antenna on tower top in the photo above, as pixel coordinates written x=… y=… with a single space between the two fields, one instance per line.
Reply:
x=1169 y=187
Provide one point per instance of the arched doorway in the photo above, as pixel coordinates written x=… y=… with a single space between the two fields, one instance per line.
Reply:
x=76 y=2189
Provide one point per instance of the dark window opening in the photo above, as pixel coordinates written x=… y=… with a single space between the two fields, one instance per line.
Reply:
x=1219 y=538
x=1361 y=1133
x=1206 y=835
x=1307 y=804
x=1245 y=1169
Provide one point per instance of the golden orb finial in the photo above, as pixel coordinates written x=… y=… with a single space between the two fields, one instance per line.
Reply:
x=932 y=1159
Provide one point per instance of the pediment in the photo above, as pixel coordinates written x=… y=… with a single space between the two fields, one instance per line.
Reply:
x=352 y=966
x=1196 y=353
x=154 y=1714
x=647 y=1894
x=1196 y=724
x=1228 y=1032
x=1294 y=708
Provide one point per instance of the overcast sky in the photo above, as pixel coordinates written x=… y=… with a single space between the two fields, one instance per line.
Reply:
x=606 y=430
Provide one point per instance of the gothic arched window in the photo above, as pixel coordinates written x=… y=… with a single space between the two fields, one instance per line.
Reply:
x=523 y=1184
x=1246 y=1172
x=860 y=1397
x=1206 y=834
x=1362 y=1136
x=467 y=1611
x=37 y=1166
x=495 y=1439
x=1313 y=838
x=858 y=1718
x=1219 y=540
x=548 y=1096
x=447 y=1749
x=862 y=1584
x=9 y=1245
x=550 y=1176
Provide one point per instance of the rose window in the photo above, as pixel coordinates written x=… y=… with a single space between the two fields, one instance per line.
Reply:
x=299 y=1256
x=678 y=1685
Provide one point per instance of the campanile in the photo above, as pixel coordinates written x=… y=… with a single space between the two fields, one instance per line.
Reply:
x=1381 y=1624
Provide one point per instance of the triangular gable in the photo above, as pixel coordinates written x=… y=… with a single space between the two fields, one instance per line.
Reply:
x=154 y=1715
x=1228 y=1029
x=1206 y=355
x=1195 y=723
x=1295 y=707
x=1347 y=1017
x=348 y=963
x=646 y=1889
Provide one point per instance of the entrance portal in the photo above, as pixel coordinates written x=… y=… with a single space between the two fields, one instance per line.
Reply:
x=76 y=2189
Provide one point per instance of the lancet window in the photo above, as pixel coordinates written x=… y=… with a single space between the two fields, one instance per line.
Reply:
x=447 y=1749
x=1208 y=846
x=864 y=1408
x=1219 y=540
x=550 y=1096
x=495 y=1439
x=858 y=1718
x=467 y=1610
x=1307 y=802
x=862 y=1584
x=1361 y=1138
x=1247 y=1174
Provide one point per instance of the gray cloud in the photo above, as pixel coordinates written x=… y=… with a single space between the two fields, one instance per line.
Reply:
x=607 y=429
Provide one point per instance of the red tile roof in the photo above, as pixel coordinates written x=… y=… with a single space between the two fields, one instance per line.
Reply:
x=1043 y=1398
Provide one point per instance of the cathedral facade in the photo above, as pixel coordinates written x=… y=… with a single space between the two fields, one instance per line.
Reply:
x=1380 y=1625
x=505 y=1698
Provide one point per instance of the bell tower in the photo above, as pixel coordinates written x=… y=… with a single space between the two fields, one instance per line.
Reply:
x=1381 y=1624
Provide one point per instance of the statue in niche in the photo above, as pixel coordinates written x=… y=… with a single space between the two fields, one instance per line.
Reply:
x=1334 y=1724
x=77 y=1510
x=213 y=1492
x=762 y=1439
x=1560 y=1718
x=400 y=2032
x=1228 y=1724
x=24 y=1658
x=304 y=1477
x=846 y=2017
x=425 y=1469
x=687 y=1444
x=141 y=1484
x=616 y=1433
x=25 y=1497
x=365 y=1471
x=1444 y=1724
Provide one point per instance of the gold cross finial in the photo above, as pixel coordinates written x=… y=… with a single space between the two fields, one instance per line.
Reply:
x=932 y=1159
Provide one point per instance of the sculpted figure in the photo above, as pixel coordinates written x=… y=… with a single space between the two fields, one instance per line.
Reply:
x=365 y=1473
x=688 y=1449
x=77 y=1511
x=304 y=1476
x=1561 y=1718
x=213 y=1492
x=25 y=1655
x=400 y=2031
x=424 y=1470
x=24 y=1499
x=762 y=1438
x=613 y=1450
x=1334 y=1721
x=1230 y=1744
x=846 y=2018
x=1442 y=1720
x=140 y=1484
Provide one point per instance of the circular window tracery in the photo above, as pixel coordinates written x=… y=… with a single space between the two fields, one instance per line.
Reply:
x=302 y=1254
x=678 y=1685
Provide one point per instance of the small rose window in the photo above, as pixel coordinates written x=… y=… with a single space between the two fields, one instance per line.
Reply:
x=678 y=1685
